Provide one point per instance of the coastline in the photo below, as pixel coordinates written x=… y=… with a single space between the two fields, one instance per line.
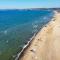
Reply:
x=25 y=47
x=31 y=40
x=45 y=45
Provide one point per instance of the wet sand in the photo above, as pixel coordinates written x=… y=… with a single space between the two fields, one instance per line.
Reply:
x=46 y=44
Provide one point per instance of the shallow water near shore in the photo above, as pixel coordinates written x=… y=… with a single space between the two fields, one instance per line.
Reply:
x=17 y=27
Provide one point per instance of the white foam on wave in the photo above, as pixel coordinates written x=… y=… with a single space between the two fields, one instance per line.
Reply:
x=45 y=18
x=7 y=41
x=5 y=32
x=35 y=30
x=35 y=26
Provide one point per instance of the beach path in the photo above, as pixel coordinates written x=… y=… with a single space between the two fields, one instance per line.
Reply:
x=46 y=44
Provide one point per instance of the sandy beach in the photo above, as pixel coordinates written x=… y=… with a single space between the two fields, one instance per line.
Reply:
x=46 y=44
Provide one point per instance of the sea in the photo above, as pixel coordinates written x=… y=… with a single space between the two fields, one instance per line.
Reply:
x=17 y=26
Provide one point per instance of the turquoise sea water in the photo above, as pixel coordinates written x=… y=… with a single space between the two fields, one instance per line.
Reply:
x=17 y=26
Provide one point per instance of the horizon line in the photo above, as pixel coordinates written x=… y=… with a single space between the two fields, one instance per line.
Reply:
x=29 y=8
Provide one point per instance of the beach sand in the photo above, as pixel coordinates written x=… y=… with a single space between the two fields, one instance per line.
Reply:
x=46 y=44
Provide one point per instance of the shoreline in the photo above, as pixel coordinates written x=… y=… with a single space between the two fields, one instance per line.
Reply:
x=25 y=47
x=45 y=45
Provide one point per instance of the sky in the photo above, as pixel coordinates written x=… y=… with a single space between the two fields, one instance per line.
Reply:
x=23 y=4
